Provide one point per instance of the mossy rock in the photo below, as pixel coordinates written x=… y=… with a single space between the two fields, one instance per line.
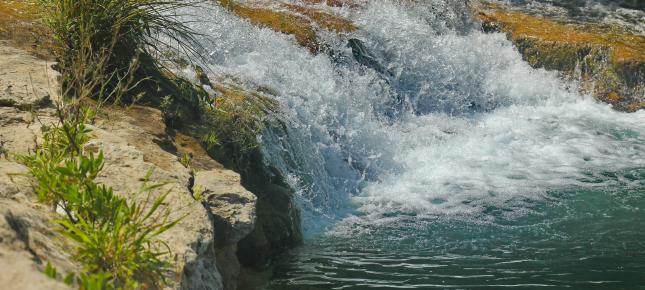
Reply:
x=299 y=21
x=229 y=127
x=608 y=59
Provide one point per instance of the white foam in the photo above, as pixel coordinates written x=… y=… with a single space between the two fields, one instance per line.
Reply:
x=489 y=131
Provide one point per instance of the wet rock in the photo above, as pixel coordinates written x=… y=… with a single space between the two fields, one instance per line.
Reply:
x=241 y=117
x=278 y=226
x=365 y=57
x=299 y=21
x=609 y=60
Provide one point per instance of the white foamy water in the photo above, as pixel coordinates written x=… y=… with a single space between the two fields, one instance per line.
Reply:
x=458 y=124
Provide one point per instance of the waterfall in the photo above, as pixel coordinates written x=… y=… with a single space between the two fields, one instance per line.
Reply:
x=441 y=120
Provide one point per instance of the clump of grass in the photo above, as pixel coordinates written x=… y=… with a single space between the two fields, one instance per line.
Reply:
x=123 y=35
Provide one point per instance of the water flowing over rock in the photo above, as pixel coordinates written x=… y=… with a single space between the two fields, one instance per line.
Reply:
x=609 y=59
x=300 y=21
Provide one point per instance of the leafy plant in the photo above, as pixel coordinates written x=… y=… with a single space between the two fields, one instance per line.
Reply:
x=115 y=239
x=125 y=245
x=185 y=160
x=198 y=193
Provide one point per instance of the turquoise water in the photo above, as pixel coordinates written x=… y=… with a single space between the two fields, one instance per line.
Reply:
x=586 y=239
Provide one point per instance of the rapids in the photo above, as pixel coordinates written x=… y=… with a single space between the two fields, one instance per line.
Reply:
x=456 y=165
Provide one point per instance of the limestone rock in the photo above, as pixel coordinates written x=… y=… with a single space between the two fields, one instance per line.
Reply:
x=233 y=210
x=25 y=81
x=608 y=60
x=28 y=239
x=27 y=235
x=131 y=152
x=232 y=206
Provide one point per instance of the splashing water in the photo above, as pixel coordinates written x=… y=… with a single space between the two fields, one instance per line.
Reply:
x=456 y=136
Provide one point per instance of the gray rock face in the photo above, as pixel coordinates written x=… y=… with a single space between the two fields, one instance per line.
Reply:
x=135 y=142
x=27 y=237
x=25 y=81
x=232 y=206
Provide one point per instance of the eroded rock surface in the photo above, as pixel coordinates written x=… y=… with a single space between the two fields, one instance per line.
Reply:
x=232 y=208
x=138 y=149
x=25 y=81
x=28 y=239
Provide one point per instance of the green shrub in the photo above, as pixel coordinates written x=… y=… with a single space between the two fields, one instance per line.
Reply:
x=115 y=239
x=111 y=41
x=124 y=245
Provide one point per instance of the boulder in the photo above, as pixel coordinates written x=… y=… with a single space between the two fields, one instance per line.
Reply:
x=232 y=206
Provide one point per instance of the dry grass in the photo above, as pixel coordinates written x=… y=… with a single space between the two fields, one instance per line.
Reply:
x=20 y=24
x=299 y=21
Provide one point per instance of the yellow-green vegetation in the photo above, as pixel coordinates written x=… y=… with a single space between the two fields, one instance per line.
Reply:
x=610 y=61
x=623 y=46
x=301 y=25
x=115 y=238
x=239 y=116
x=104 y=53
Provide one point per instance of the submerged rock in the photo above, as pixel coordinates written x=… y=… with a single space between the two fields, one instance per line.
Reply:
x=365 y=57
x=609 y=60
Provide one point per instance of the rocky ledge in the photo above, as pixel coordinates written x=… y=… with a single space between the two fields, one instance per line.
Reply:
x=218 y=211
x=606 y=56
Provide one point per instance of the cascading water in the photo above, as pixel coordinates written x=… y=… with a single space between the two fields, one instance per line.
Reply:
x=443 y=161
